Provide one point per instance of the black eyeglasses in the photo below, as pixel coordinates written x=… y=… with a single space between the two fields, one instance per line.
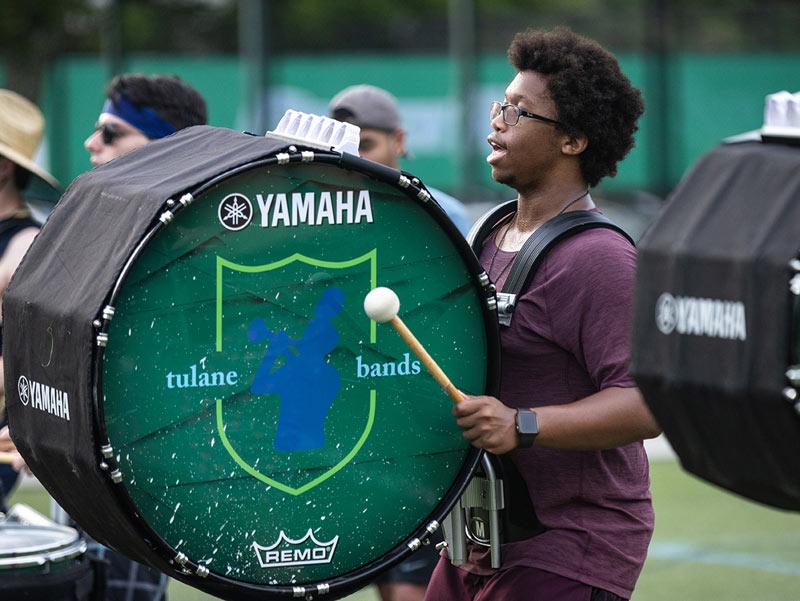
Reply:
x=512 y=113
x=109 y=133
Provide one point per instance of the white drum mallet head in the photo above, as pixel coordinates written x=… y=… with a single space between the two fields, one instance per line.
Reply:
x=382 y=304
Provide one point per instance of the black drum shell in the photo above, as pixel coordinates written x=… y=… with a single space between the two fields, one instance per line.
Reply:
x=62 y=285
x=721 y=249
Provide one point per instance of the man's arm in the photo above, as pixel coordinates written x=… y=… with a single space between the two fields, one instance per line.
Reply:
x=16 y=249
x=607 y=419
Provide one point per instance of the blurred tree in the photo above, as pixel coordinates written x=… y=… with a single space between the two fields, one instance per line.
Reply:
x=32 y=33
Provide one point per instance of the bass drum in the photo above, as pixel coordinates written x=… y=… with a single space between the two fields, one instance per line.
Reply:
x=231 y=416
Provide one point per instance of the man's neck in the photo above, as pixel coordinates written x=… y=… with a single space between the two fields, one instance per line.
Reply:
x=534 y=207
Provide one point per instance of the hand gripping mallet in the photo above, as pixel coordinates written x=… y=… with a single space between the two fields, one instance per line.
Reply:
x=382 y=305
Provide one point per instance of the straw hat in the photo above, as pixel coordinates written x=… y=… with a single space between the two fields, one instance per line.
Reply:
x=21 y=127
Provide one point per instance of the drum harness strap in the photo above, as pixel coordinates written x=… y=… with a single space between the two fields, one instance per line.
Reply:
x=535 y=248
x=497 y=484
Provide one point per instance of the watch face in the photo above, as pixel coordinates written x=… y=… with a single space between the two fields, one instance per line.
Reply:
x=526 y=422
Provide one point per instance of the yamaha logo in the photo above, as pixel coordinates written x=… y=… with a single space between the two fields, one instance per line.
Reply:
x=45 y=398
x=710 y=317
x=235 y=212
x=338 y=207
x=24 y=389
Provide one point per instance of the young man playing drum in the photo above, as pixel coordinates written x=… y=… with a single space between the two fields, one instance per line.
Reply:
x=568 y=413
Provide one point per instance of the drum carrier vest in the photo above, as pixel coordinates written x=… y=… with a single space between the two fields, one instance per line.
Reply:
x=496 y=508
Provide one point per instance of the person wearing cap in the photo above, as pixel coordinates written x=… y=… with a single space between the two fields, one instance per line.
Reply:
x=138 y=109
x=21 y=129
x=383 y=139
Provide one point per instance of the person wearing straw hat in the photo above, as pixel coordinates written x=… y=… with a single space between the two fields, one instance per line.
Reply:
x=21 y=129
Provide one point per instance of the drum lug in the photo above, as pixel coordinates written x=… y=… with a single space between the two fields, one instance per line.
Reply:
x=483 y=279
x=307 y=156
x=414 y=544
x=166 y=217
x=202 y=571
x=186 y=199
x=424 y=195
x=404 y=181
x=116 y=476
x=181 y=559
x=299 y=591
x=107 y=450
x=102 y=339
x=323 y=588
x=432 y=527
x=283 y=158
x=108 y=312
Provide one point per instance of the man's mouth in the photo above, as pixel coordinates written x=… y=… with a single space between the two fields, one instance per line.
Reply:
x=498 y=150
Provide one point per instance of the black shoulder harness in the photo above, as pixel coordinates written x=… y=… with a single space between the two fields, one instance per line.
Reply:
x=535 y=248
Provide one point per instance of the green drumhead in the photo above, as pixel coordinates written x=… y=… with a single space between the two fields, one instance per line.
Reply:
x=264 y=425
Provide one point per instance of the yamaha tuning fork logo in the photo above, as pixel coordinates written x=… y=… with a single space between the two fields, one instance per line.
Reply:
x=24 y=389
x=235 y=212
x=709 y=317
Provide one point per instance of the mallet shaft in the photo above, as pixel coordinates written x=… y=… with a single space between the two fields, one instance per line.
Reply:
x=431 y=365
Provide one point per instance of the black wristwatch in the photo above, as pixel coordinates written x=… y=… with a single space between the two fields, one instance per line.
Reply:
x=527 y=428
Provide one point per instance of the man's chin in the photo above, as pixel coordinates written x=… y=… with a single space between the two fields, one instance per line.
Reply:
x=504 y=178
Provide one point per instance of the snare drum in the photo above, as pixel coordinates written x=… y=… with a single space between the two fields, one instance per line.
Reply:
x=231 y=414
x=39 y=562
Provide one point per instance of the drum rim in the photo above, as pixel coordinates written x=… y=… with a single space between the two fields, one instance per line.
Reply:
x=182 y=567
x=42 y=554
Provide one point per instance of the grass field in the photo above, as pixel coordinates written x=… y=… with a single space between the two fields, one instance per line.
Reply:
x=709 y=545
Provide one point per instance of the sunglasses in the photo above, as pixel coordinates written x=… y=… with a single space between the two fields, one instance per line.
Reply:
x=109 y=133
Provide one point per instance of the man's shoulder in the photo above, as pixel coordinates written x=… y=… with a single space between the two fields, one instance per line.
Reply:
x=592 y=256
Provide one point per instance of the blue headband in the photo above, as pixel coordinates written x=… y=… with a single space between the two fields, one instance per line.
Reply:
x=145 y=119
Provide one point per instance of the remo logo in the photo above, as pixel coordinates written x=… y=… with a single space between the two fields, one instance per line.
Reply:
x=292 y=428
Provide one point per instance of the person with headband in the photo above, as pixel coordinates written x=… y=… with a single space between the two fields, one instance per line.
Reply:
x=138 y=109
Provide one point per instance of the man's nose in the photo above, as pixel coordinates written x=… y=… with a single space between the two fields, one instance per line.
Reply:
x=92 y=143
x=498 y=124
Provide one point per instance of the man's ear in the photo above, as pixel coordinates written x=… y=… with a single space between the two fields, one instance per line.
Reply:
x=399 y=136
x=574 y=145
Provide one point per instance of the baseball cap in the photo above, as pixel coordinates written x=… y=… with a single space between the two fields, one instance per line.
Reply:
x=367 y=106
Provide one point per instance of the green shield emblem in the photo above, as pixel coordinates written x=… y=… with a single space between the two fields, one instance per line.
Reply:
x=303 y=417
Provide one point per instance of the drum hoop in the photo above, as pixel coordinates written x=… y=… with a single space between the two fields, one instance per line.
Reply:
x=182 y=567
x=42 y=553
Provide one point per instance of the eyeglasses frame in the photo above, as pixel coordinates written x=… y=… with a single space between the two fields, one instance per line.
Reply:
x=521 y=113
